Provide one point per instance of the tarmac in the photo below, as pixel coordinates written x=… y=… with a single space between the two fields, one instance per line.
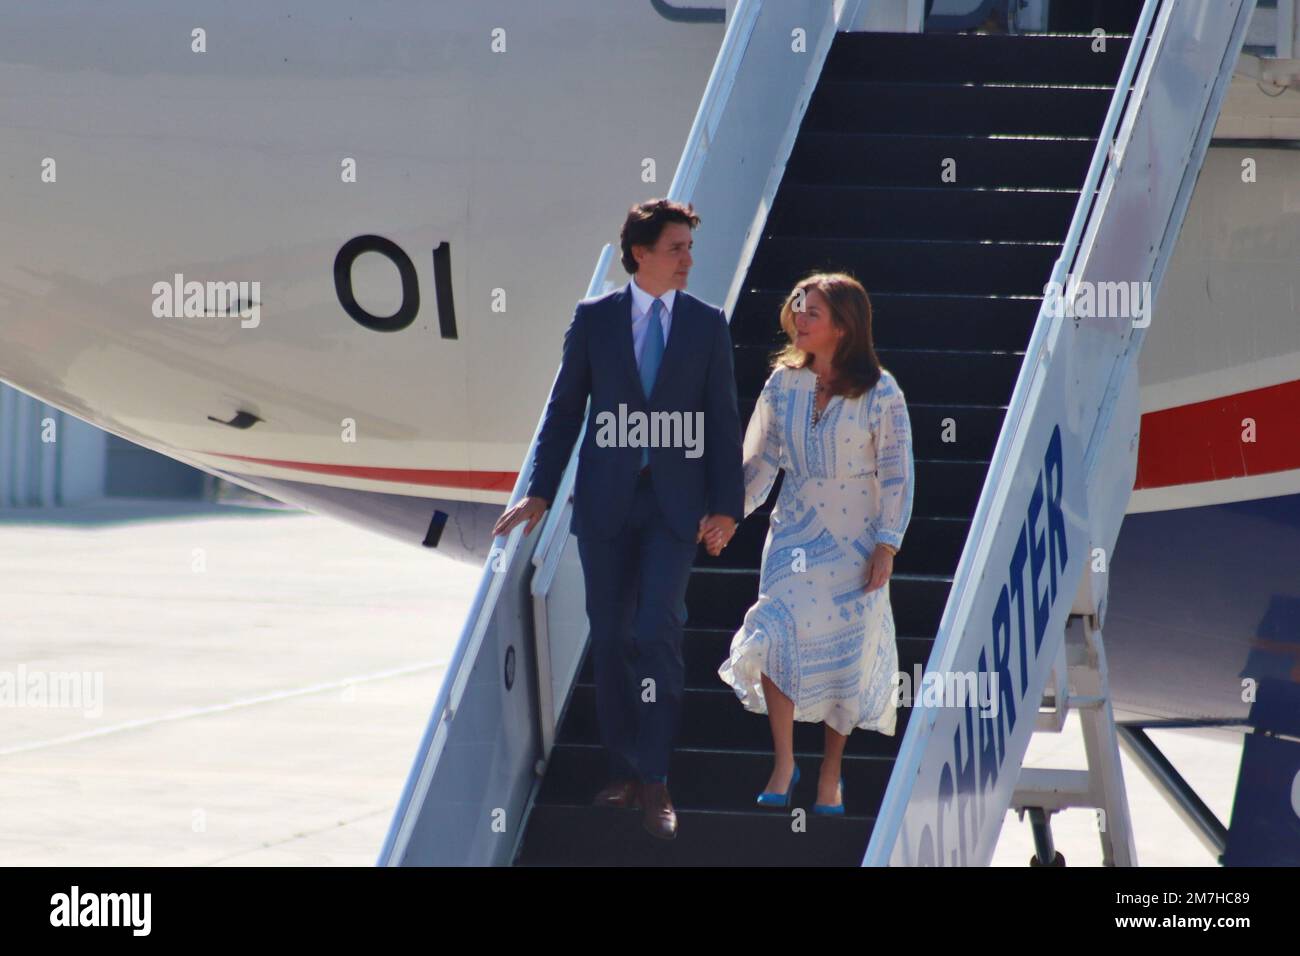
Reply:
x=237 y=686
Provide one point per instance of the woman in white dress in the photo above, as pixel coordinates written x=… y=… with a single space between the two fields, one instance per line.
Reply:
x=818 y=645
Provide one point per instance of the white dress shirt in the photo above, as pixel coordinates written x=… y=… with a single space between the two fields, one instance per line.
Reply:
x=641 y=302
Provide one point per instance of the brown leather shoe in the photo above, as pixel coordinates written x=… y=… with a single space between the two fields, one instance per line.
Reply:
x=659 y=819
x=621 y=793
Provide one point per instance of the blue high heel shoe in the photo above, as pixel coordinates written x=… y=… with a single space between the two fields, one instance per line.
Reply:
x=832 y=809
x=772 y=799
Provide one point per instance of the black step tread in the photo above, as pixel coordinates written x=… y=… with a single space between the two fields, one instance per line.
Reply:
x=917 y=159
x=702 y=778
x=975 y=57
x=935 y=376
x=998 y=267
x=923 y=212
x=717 y=720
x=957 y=108
x=580 y=836
x=906 y=320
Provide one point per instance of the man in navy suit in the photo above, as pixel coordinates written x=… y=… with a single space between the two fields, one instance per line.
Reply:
x=659 y=471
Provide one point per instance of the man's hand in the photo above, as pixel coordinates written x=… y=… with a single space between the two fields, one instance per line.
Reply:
x=716 y=532
x=880 y=567
x=527 y=509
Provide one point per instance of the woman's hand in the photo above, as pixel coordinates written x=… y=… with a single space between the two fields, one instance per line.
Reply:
x=879 y=567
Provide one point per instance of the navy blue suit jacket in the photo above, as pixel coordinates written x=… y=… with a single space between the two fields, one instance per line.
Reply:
x=696 y=375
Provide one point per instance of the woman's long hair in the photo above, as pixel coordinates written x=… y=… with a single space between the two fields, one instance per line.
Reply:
x=855 y=367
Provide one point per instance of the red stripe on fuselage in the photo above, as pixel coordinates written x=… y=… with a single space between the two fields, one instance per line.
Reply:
x=478 y=480
x=1203 y=441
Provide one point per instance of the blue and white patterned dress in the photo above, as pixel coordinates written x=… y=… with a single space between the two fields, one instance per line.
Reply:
x=824 y=640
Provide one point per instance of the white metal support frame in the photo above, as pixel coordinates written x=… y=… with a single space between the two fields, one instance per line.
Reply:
x=1101 y=786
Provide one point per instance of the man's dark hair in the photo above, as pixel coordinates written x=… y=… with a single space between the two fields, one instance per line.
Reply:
x=646 y=220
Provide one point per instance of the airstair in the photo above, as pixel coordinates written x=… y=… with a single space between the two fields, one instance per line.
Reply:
x=1010 y=203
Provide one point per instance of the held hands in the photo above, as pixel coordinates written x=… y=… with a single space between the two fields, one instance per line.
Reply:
x=879 y=567
x=527 y=509
x=716 y=532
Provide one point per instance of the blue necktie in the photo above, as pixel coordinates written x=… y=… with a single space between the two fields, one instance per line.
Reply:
x=652 y=353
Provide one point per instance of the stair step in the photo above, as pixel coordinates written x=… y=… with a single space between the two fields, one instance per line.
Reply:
x=910 y=265
x=706 y=779
x=715 y=720
x=584 y=836
x=884 y=107
x=923 y=212
x=978 y=159
x=978 y=58
x=902 y=320
x=924 y=375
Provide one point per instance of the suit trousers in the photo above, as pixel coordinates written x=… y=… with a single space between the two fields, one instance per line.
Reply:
x=636 y=606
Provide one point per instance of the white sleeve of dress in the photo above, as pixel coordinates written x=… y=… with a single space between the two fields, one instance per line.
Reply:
x=894 y=465
x=762 y=450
